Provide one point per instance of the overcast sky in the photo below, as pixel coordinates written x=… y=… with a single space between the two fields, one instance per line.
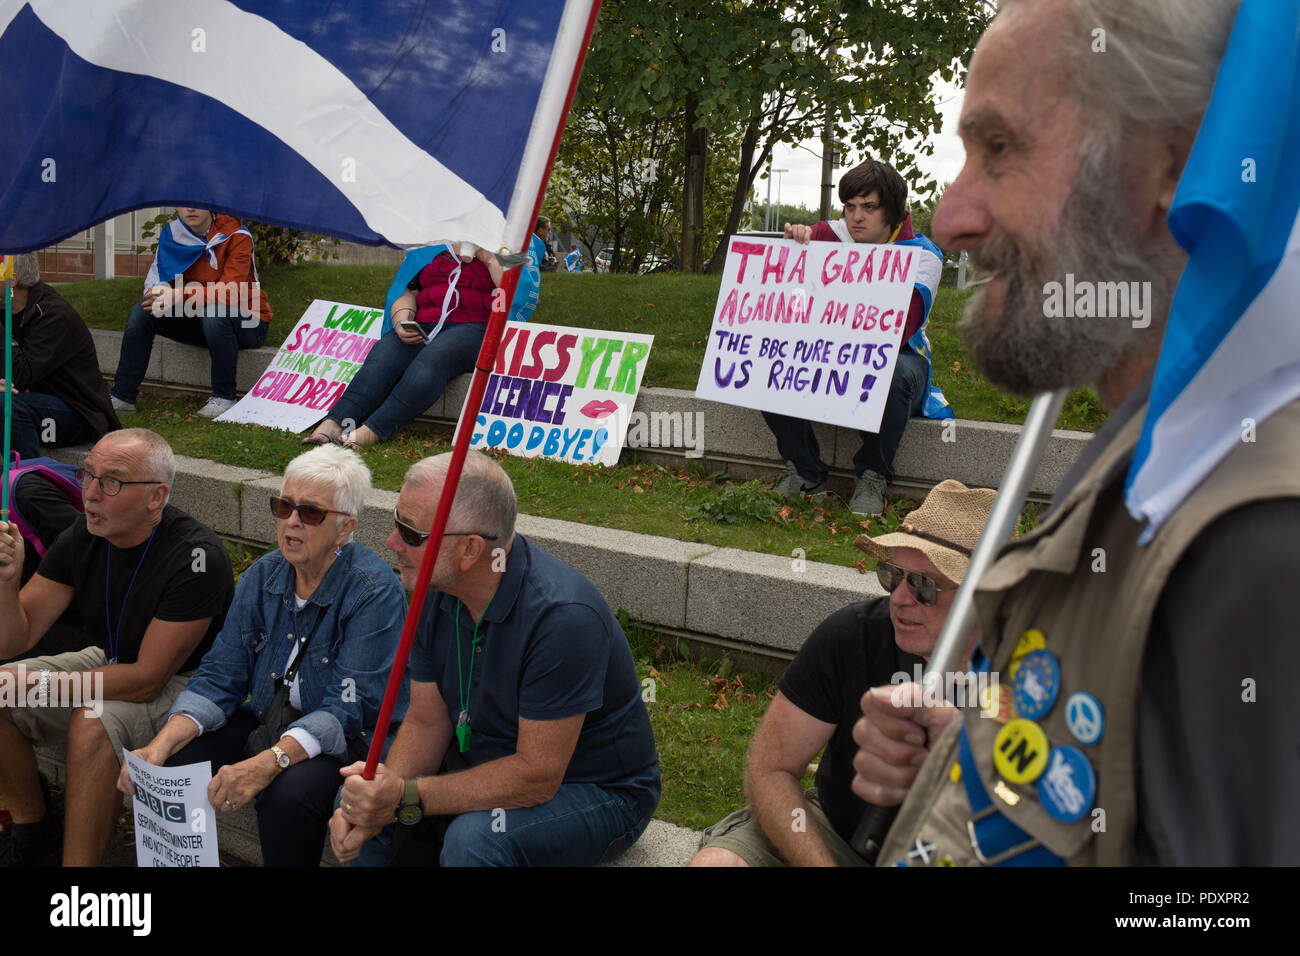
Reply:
x=802 y=184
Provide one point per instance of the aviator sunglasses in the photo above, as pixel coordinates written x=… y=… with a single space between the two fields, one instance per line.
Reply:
x=413 y=538
x=891 y=576
x=310 y=514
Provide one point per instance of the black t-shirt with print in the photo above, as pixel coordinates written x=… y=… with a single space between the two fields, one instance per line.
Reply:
x=182 y=574
x=851 y=651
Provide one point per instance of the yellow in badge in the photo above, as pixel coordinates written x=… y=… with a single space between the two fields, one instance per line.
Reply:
x=946 y=861
x=955 y=773
x=1020 y=751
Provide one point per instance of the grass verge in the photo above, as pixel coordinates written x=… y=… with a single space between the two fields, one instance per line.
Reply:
x=675 y=309
x=688 y=505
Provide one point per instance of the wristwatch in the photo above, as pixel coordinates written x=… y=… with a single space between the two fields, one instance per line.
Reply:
x=281 y=758
x=409 y=809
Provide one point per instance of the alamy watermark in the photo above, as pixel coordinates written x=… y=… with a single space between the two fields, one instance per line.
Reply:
x=1101 y=300
x=193 y=299
x=952 y=688
x=52 y=689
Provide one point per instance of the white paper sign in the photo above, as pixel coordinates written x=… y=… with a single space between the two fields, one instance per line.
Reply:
x=313 y=367
x=560 y=392
x=809 y=330
x=174 y=823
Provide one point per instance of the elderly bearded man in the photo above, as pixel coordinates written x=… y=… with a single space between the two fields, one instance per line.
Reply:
x=1129 y=739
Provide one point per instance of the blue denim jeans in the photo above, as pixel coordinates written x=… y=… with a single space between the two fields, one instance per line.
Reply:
x=223 y=335
x=797 y=443
x=582 y=825
x=399 y=381
x=33 y=415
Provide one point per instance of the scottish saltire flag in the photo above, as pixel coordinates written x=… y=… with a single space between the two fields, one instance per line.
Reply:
x=399 y=121
x=179 y=247
x=1232 y=348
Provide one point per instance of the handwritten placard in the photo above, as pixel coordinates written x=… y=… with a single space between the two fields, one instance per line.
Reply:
x=562 y=393
x=313 y=367
x=809 y=330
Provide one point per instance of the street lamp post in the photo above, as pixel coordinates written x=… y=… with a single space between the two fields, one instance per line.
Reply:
x=768 y=223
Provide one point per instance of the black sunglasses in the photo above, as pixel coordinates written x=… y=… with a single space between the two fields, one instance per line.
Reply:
x=413 y=538
x=891 y=576
x=109 y=486
x=282 y=508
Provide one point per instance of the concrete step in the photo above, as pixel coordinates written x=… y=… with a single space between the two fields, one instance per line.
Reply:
x=662 y=844
x=762 y=603
x=723 y=437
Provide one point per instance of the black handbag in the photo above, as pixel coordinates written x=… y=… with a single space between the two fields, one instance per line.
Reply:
x=279 y=715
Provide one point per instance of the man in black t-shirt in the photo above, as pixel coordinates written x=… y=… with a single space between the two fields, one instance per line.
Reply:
x=872 y=644
x=151 y=586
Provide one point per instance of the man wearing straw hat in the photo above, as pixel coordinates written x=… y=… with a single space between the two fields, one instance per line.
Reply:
x=871 y=644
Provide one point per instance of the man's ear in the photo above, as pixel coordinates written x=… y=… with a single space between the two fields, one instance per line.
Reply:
x=158 y=496
x=1174 y=150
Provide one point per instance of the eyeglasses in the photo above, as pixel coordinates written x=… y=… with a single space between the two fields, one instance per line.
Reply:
x=109 y=486
x=310 y=514
x=413 y=538
x=891 y=576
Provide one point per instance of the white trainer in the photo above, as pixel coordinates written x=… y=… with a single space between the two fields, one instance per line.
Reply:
x=216 y=406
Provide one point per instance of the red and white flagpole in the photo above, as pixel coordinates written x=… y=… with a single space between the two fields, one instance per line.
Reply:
x=483 y=367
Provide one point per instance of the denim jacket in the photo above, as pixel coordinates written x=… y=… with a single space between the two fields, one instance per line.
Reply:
x=352 y=621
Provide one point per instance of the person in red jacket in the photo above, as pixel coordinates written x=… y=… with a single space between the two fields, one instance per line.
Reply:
x=202 y=289
x=875 y=210
x=438 y=326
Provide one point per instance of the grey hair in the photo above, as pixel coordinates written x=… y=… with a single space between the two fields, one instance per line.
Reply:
x=485 y=499
x=27 y=271
x=337 y=468
x=1160 y=59
x=159 y=461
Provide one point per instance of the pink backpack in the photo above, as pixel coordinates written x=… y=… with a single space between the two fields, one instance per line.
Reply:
x=61 y=476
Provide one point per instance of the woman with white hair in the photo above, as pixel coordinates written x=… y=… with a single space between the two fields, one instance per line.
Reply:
x=292 y=687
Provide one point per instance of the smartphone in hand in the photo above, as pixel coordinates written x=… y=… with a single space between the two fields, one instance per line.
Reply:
x=411 y=326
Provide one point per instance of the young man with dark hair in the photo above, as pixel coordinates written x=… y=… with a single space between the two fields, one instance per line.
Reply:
x=875 y=211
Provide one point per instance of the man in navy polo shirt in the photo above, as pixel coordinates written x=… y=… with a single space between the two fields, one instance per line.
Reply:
x=526 y=742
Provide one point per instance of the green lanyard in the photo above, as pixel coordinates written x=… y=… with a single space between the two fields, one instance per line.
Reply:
x=462 y=722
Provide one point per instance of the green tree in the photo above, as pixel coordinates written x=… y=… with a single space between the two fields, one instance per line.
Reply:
x=768 y=72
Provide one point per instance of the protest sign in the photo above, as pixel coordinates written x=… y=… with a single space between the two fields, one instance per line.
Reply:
x=174 y=823
x=809 y=330
x=313 y=367
x=561 y=393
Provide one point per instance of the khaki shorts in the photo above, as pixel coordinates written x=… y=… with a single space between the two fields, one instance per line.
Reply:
x=740 y=833
x=129 y=725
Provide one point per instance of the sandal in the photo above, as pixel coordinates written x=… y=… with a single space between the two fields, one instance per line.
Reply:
x=317 y=438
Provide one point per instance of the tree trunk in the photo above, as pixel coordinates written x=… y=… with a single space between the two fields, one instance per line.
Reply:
x=696 y=141
x=744 y=180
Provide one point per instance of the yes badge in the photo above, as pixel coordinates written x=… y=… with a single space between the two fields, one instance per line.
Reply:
x=1068 y=786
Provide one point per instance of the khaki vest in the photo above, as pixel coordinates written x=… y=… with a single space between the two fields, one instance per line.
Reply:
x=1096 y=624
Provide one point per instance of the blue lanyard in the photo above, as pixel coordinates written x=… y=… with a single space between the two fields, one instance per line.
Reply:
x=113 y=636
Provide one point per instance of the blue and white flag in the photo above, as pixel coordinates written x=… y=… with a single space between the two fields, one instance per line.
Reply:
x=399 y=121
x=179 y=247
x=1231 y=352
